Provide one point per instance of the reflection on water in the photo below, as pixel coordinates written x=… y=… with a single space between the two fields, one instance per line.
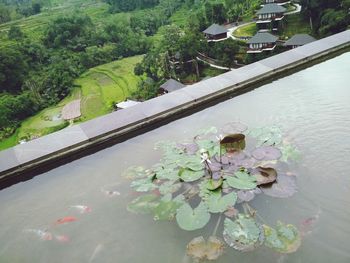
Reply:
x=311 y=107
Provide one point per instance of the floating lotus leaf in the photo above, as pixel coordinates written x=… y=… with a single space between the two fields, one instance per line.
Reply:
x=144 y=185
x=143 y=204
x=264 y=175
x=246 y=163
x=284 y=239
x=191 y=219
x=137 y=172
x=245 y=196
x=169 y=187
x=167 y=173
x=233 y=127
x=267 y=135
x=215 y=166
x=191 y=162
x=284 y=187
x=166 y=210
x=217 y=203
x=189 y=148
x=188 y=175
x=241 y=180
x=211 y=146
x=213 y=184
x=233 y=142
x=266 y=153
x=199 y=249
x=243 y=234
x=289 y=152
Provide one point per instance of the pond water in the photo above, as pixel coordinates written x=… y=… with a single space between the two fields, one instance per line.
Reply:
x=311 y=107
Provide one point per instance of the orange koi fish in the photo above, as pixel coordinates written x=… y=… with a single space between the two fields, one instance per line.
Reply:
x=64 y=220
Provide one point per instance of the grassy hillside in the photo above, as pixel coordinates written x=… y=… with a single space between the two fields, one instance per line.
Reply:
x=98 y=88
x=107 y=84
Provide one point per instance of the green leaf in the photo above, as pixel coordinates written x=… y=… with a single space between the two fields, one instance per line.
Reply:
x=188 y=175
x=169 y=187
x=218 y=203
x=169 y=173
x=213 y=184
x=284 y=239
x=144 y=185
x=289 y=152
x=199 y=249
x=243 y=234
x=242 y=180
x=267 y=135
x=144 y=204
x=212 y=147
x=191 y=219
x=166 y=210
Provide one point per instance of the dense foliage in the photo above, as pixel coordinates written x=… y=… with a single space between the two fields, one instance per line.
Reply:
x=129 y=5
x=327 y=17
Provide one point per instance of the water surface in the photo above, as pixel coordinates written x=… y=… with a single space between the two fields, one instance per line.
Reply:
x=313 y=109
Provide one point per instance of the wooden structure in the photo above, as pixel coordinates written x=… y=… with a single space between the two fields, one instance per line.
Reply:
x=215 y=32
x=270 y=17
x=299 y=40
x=169 y=86
x=261 y=42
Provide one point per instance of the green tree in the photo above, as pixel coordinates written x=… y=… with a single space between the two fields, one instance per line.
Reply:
x=5 y=15
x=13 y=69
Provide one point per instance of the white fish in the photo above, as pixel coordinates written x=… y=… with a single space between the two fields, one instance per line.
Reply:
x=97 y=251
x=42 y=234
x=82 y=208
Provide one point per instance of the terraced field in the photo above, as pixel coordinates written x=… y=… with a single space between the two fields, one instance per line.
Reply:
x=98 y=88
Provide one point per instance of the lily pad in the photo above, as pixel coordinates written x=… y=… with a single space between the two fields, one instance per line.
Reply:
x=264 y=175
x=289 y=153
x=169 y=187
x=284 y=239
x=191 y=219
x=245 y=196
x=143 y=204
x=166 y=210
x=199 y=249
x=284 y=187
x=241 y=180
x=144 y=185
x=214 y=184
x=233 y=142
x=217 y=203
x=189 y=148
x=243 y=234
x=167 y=173
x=267 y=135
x=266 y=153
x=188 y=175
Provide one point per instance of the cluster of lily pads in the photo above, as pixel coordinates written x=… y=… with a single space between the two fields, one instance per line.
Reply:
x=215 y=176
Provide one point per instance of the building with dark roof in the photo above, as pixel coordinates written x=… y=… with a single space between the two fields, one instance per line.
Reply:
x=270 y=17
x=275 y=1
x=299 y=40
x=170 y=85
x=262 y=41
x=215 y=32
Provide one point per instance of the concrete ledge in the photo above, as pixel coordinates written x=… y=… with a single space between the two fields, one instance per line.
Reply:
x=26 y=160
